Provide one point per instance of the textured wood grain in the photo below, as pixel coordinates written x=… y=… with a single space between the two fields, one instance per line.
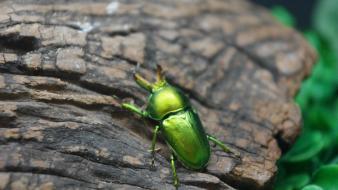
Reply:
x=67 y=65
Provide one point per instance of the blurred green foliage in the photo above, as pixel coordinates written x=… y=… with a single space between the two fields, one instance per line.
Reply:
x=312 y=162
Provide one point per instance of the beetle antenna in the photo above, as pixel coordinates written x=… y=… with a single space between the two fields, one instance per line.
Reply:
x=160 y=76
x=143 y=82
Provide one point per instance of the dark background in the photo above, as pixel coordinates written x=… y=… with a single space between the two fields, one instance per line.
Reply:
x=300 y=9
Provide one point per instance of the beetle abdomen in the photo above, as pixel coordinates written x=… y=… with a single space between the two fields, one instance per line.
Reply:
x=185 y=135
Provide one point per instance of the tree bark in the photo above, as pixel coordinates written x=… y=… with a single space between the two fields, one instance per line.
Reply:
x=66 y=66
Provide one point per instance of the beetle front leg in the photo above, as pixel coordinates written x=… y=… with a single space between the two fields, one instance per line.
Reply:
x=153 y=143
x=173 y=168
x=135 y=109
x=223 y=146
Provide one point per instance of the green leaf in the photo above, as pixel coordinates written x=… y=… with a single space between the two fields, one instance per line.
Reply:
x=293 y=181
x=313 y=38
x=283 y=16
x=324 y=74
x=334 y=160
x=318 y=144
x=321 y=91
x=307 y=146
x=312 y=187
x=325 y=21
x=320 y=118
x=326 y=177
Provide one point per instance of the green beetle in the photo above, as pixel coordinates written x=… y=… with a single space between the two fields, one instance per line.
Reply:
x=178 y=123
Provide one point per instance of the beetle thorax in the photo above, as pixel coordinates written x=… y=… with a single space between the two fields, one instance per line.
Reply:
x=166 y=100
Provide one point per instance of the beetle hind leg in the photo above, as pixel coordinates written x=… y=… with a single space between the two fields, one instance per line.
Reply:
x=223 y=146
x=173 y=168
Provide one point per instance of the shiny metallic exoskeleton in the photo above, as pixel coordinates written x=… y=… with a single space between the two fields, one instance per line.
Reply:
x=178 y=122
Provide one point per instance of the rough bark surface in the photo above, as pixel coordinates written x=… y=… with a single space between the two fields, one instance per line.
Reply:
x=67 y=65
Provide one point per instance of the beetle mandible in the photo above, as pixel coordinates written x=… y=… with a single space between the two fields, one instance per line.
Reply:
x=178 y=122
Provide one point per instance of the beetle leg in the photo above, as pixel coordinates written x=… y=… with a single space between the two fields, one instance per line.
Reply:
x=143 y=82
x=173 y=168
x=223 y=146
x=135 y=109
x=153 y=142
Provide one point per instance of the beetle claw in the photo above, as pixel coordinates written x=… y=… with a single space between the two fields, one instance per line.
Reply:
x=153 y=156
x=233 y=152
x=153 y=165
x=176 y=184
x=236 y=154
x=156 y=150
